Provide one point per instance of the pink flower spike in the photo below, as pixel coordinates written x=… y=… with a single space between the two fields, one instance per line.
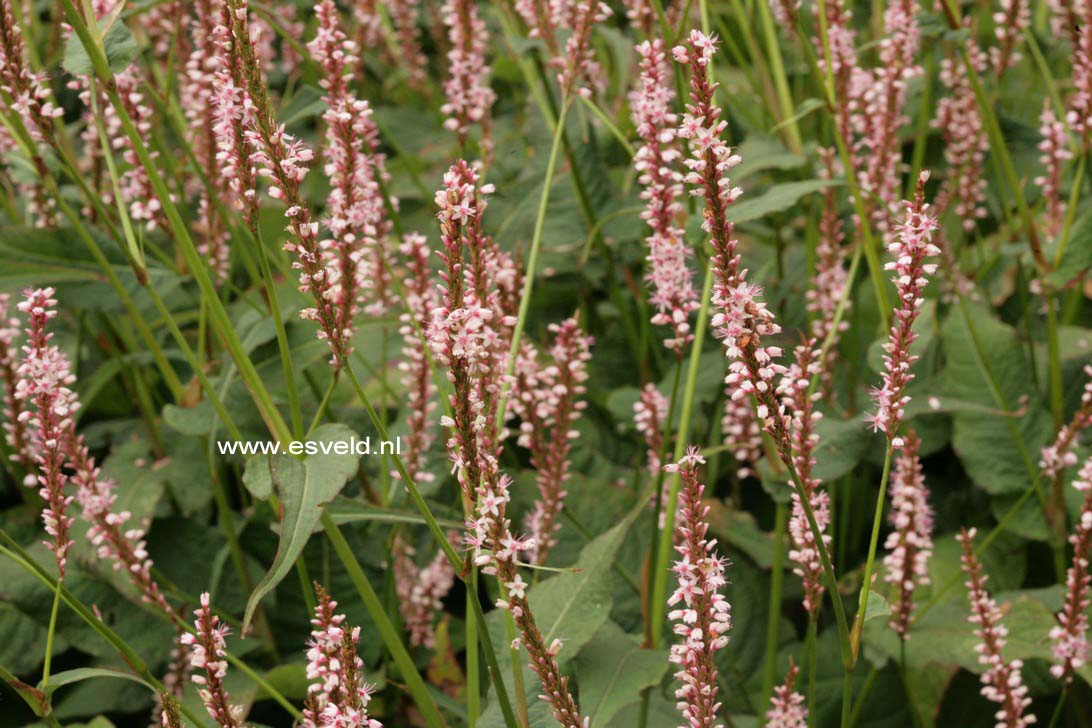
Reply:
x=1055 y=153
x=468 y=95
x=340 y=696
x=911 y=246
x=44 y=378
x=420 y=590
x=1071 y=646
x=656 y=162
x=1002 y=682
x=701 y=614
x=787 y=709
x=208 y=656
x=910 y=544
x=1059 y=455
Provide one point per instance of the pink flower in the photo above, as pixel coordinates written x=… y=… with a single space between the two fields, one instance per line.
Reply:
x=741 y=430
x=649 y=415
x=578 y=64
x=339 y=698
x=1010 y=23
x=547 y=398
x=787 y=709
x=831 y=277
x=420 y=590
x=912 y=244
x=208 y=655
x=1001 y=682
x=421 y=298
x=44 y=378
x=15 y=425
x=1059 y=455
x=673 y=289
x=199 y=86
x=701 y=614
x=354 y=256
x=1070 y=637
x=252 y=142
x=468 y=95
x=404 y=16
x=910 y=543
x=469 y=334
x=965 y=141
x=796 y=397
x=1055 y=153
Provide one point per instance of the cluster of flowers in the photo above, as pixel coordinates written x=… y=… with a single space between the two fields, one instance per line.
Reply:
x=470 y=334
x=337 y=694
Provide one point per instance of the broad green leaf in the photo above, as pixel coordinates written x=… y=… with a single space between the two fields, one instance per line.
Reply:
x=24 y=643
x=762 y=153
x=196 y=421
x=996 y=460
x=304 y=487
x=612 y=670
x=842 y=444
x=1077 y=256
x=34 y=257
x=776 y=199
x=739 y=529
x=118 y=43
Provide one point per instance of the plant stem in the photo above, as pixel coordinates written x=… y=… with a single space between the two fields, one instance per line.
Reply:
x=773 y=623
x=50 y=634
x=877 y=519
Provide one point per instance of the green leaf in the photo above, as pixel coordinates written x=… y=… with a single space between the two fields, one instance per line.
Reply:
x=612 y=669
x=197 y=421
x=36 y=257
x=118 y=44
x=304 y=488
x=80 y=674
x=738 y=528
x=996 y=460
x=842 y=444
x=1077 y=256
x=776 y=199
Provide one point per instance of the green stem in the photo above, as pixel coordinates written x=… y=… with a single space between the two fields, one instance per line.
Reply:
x=873 y=543
x=773 y=623
x=532 y=262
x=663 y=548
x=781 y=81
x=50 y=634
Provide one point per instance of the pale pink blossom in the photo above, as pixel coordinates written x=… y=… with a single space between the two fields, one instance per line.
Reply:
x=421 y=299
x=701 y=614
x=468 y=333
x=787 y=709
x=656 y=162
x=43 y=388
x=649 y=415
x=831 y=277
x=963 y=189
x=1059 y=455
x=45 y=379
x=910 y=246
x=797 y=397
x=1071 y=646
x=741 y=430
x=1010 y=23
x=15 y=426
x=548 y=404
x=404 y=17
x=468 y=96
x=580 y=72
x=420 y=590
x=208 y=656
x=338 y=696
x=1054 y=149
x=1002 y=681
x=910 y=543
